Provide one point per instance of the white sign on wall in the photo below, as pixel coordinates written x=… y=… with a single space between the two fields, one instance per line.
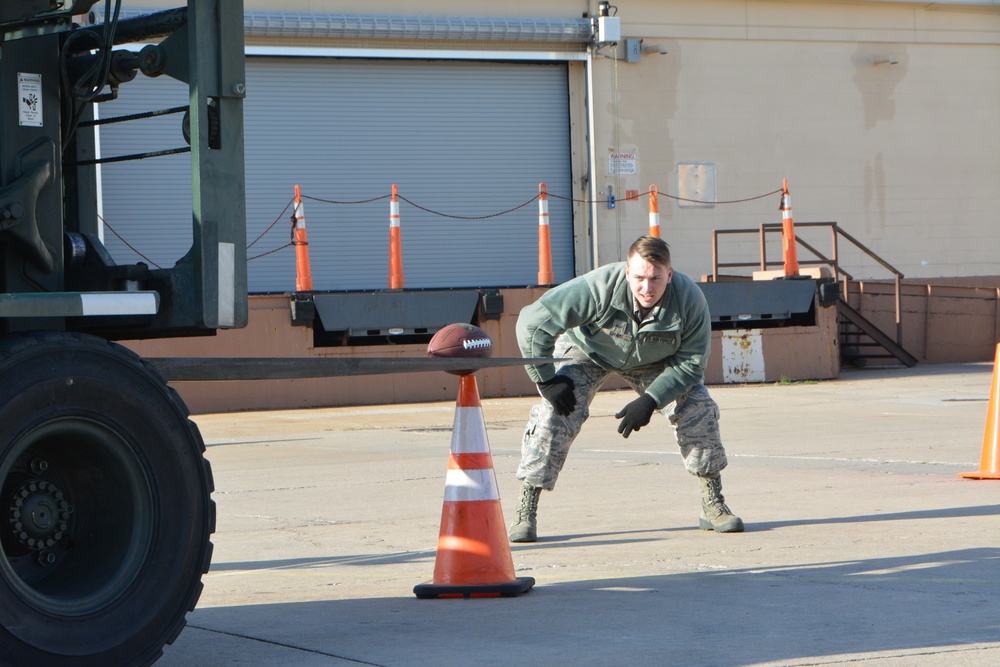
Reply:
x=625 y=163
x=29 y=96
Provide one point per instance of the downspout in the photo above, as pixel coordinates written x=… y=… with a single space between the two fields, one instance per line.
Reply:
x=592 y=158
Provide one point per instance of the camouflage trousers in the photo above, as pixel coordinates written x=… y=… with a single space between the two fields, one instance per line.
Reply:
x=548 y=436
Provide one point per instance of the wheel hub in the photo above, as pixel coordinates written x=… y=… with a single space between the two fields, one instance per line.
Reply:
x=38 y=514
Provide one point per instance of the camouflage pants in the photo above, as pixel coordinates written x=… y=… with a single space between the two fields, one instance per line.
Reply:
x=548 y=436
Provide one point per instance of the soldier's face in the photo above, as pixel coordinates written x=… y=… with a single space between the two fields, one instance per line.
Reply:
x=647 y=281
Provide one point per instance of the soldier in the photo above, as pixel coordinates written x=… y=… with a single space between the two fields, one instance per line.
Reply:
x=647 y=323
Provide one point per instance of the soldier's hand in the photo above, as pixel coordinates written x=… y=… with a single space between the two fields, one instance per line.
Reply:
x=559 y=392
x=636 y=414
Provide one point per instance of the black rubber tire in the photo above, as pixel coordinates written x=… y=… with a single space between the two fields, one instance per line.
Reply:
x=105 y=495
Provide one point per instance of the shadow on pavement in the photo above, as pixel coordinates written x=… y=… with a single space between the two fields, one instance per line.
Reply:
x=708 y=616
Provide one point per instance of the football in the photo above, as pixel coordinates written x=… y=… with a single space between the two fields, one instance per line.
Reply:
x=460 y=341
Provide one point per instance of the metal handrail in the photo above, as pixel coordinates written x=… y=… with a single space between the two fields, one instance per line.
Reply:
x=831 y=262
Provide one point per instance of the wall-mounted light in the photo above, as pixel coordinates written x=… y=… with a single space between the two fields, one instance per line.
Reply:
x=885 y=60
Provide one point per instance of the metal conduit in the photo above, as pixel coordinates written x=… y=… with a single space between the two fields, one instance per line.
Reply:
x=407 y=27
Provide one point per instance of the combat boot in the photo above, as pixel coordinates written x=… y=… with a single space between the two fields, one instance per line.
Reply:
x=715 y=515
x=525 y=528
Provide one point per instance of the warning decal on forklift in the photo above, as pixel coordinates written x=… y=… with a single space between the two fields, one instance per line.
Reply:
x=29 y=93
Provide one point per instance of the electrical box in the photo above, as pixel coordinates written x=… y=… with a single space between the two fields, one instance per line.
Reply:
x=632 y=53
x=609 y=29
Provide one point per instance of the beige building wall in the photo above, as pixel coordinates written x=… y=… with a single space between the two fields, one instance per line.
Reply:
x=903 y=156
x=882 y=116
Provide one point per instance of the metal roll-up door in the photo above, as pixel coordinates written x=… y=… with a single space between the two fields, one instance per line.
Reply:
x=461 y=139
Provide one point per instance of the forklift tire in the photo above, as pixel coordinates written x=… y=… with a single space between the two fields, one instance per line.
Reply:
x=106 y=500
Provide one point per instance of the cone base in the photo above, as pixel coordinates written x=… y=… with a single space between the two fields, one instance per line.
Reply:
x=980 y=475
x=506 y=590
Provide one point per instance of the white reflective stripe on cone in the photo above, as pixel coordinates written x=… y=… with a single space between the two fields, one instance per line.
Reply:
x=470 y=485
x=468 y=435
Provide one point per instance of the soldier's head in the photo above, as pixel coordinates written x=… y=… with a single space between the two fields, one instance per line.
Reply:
x=648 y=270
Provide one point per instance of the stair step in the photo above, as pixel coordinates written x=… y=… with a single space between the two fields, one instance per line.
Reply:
x=869 y=356
x=850 y=338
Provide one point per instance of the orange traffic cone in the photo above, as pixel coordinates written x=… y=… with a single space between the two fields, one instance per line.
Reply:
x=473 y=555
x=545 y=275
x=788 y=232
x=396 y=279
x=654 y=212
x=989 y=466
x=303 y=272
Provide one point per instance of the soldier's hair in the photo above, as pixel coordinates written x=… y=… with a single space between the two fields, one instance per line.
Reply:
x=653 y=249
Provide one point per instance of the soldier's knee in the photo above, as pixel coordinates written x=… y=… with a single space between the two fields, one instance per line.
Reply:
x=705 y=460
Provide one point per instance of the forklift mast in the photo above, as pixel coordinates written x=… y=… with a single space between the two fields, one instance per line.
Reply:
x=55 y=273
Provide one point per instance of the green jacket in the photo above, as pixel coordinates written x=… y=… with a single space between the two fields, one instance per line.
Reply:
x=596 y=313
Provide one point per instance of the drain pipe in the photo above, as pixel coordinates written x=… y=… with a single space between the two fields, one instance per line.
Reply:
x=592 y=159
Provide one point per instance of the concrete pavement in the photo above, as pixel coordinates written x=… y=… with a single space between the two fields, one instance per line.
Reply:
x=862 y=544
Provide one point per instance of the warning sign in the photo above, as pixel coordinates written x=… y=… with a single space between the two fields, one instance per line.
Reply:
x=29 y=93
x=623 y=162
